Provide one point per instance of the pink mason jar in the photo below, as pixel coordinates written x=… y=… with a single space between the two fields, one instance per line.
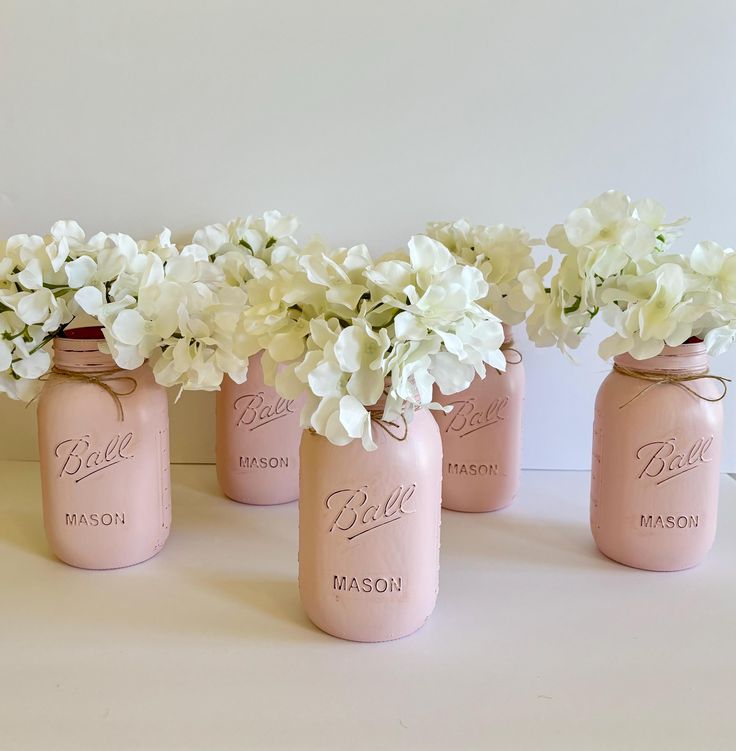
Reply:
x=369 y=531
x=656 y=460
x=104 y=451
x=258 y=435
x=481 y=438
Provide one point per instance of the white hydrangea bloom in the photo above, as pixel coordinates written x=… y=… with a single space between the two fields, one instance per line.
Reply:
x=153 y=302
x=183 y=311
x=501 y=253
x=615 y=262
x=40 y=278
x=369 y=339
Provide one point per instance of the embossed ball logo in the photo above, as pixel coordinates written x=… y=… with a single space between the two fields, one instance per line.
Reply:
x=666 y=460
x=468 y=417
x=80 y=458
x=254 y=411
x=354 y=512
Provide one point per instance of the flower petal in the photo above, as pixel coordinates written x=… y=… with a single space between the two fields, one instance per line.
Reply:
x=129 y=327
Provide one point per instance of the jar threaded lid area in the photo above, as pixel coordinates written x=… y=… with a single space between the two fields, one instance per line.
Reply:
x=78 y=349
x=689 y=358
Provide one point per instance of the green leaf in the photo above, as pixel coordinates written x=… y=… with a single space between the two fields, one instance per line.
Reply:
x=574 y=307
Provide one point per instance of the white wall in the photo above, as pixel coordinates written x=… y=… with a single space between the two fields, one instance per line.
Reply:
x=366 y=120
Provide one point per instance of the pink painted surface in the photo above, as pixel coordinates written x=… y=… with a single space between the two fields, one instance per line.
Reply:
x=258 y=436
x=369 y=525
x=105 y=481
x=481 y=440
x=654 y=490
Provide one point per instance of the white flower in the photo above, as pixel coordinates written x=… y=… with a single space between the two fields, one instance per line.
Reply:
x=80 y=271
x=33 y=366
x=31 y=277
x=718 y=265
x=361 y=351
x=186 y=311
x=129 y=327
x=46 y=281
x=500 y=253
x=718 y=340
x=22 y=389
x=612 y=222
x=89 y=299
x=614 y=263
x=258 y=237
x=67 y=230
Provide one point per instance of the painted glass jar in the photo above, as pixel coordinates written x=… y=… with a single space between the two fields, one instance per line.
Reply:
x=104 y=453
x=481 y=438
x=657 y=441
x=258 y=436
x=369 y=525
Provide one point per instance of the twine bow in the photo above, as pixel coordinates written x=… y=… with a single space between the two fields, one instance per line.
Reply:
x=508 y=347
x=102 y=378
x=655 y=379
x=387 y=425
x=376 y=416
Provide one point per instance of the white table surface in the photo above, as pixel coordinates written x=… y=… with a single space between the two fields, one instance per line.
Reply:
x=537 y=642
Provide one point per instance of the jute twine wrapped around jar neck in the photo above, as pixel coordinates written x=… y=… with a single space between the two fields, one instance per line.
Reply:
x=676 y=379
x=101 y=378
x=399 y=431
x=388 y=426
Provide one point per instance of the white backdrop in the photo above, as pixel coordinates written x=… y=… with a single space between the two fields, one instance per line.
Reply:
x=367 y=120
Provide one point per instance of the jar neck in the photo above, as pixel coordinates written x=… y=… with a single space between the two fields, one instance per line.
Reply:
x=686 y=359
x=78 y=351
x=508 y=336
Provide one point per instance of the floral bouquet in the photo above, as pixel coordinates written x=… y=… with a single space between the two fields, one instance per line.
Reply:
x=348 y=331
x=184 y=312
x=46 y=281
x=179 y=309
x=616 y=262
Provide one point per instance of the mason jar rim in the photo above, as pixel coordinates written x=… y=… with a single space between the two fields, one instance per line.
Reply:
x=689 y=357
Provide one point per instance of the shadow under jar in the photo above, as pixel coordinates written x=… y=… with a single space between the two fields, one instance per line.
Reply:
x=656 y=460
x=369 y=526
x=481 y=438
x=104 y=453
x=258 y=434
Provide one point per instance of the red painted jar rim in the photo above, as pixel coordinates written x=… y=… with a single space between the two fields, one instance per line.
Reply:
x=88 y=333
